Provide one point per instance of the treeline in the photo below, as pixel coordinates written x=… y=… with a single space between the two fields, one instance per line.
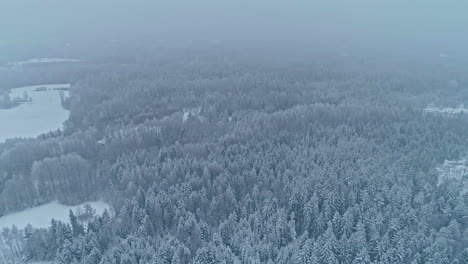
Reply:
x=209 y=161
x=37 y=171
x=11 y=244
x=31 y=243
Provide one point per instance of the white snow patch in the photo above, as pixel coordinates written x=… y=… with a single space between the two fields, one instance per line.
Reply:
x=445 y=111
x=41 y=216
x=455 y=170
x=194 y=112
x=102 y=141
x=41 y=60
x=44 y=114
x=185 y=116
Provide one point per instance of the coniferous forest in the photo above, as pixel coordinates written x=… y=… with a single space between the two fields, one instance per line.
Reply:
x=230 y=153
x=212 y=159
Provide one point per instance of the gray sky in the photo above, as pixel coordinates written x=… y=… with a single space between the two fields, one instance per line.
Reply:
x=373 y=26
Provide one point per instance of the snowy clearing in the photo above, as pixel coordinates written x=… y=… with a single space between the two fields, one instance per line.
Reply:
x=43 y=114
x=41 y=60
x=456 y=171
x=41 y=216
x=445 y=111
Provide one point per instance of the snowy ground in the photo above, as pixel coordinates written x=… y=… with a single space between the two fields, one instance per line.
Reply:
x=446 y=111
x=457 y=171
x=41 y=60
x=41 y=216
x=45 y=113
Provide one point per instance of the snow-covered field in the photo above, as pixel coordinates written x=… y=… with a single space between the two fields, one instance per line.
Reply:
x=41 y=216
x=44 y=114
x=446 y=111
x=41 y=60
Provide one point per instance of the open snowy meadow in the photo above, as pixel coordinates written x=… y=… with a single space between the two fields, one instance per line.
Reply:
x=43 y=114
x=41 y=216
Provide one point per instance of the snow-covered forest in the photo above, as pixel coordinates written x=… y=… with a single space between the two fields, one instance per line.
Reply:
x=231 y=132
x=215 y=159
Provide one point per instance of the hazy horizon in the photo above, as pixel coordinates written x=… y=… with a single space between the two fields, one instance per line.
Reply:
x=347 y=27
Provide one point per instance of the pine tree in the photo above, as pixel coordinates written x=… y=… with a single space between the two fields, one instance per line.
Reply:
x=146 y=227
x=77 y=228
x=93 y=258
x=52 y=238
x=65 y=254
x=311 y=213
x=362 y=257
x=344 y=250
x=205 y=255
x=308 y=253
x=176 y=259
x=358 y=238
x=329 y=245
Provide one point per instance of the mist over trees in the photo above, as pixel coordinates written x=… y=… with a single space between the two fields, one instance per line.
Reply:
x=240 y=133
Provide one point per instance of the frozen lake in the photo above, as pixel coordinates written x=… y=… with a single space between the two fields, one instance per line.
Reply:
x=44 y=114
x=41 y=216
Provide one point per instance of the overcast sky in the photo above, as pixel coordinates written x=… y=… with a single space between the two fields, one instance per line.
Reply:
x=435 y=26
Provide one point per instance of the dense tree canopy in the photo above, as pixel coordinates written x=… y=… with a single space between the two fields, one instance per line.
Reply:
x=217 y=160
